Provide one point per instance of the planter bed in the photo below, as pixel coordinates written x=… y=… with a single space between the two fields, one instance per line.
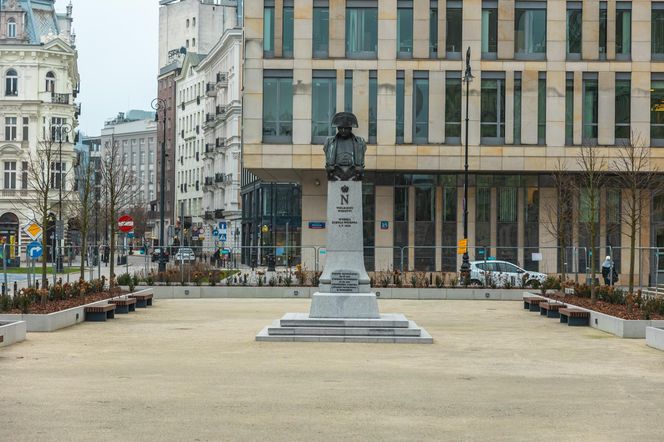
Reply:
x=655 y=337
x=73 y=312
x=12 y=332
x=603 y=316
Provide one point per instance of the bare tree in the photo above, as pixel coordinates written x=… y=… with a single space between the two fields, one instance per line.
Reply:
x=560 y=213
x=118 y=180
x=592 y=164
x=85 y=174
x=635 y=175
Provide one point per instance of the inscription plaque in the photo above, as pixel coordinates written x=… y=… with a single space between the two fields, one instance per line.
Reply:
x=344 y=281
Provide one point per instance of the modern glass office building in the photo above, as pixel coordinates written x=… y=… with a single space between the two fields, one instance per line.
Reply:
x=549 y=78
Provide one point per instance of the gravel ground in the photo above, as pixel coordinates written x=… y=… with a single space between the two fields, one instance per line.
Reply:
x=191 y=370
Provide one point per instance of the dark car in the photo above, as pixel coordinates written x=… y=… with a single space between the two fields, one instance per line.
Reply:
x=156 y=253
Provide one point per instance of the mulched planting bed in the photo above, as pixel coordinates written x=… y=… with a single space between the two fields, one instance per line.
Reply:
x=59 y=305
x=617 y=310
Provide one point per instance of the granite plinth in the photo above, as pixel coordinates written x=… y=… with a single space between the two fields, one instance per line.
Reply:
x=390 y=329
x=344 y=305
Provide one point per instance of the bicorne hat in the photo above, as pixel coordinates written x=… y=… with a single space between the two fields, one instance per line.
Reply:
x=344 y=119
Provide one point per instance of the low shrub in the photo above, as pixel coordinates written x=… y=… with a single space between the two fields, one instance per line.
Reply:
x=5 y=303
x=440 y=281
x=125 y=279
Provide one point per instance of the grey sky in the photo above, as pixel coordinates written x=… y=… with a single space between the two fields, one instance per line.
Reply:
x=117 y=44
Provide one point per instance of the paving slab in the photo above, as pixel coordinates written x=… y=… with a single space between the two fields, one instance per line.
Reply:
x=191 y=370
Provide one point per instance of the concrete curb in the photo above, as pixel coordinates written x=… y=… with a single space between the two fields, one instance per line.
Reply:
x=655 y=337
x=11 y=333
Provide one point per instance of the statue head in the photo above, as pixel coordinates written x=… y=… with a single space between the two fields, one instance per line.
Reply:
x=344 y=122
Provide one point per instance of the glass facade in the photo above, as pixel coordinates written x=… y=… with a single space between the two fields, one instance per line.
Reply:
x=623 y=30
x=541 y=109
x=517 y=108
x=453 y=108
x=569 y=109
x=361 y=32
x=454 y=23
x=268 y=32
x=400 y=115
x=287 y=32
x=421 y=107
x=603 y=25
x=433 y=31
x=574 y=29
x=590 y=108
x=405 y=31
x=348 y=91
x=657 y=31
x=493 y=109
x=425 y=232
x=278 y=107
x=324 y=105
x=530 y=30
x=373 y=106
x=489 y=30
x=321 y=32
x=657 y=110
x=623 y=107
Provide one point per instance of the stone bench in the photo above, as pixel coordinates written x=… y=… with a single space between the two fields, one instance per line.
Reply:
x=551 y=309
x=124 y=305
x=574 y=316
x=143 y=300
x=100 y=313
x=532 y=303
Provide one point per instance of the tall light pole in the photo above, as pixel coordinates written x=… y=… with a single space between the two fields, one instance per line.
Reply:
x=465 y=265
x=63 y=129
x=160 y=105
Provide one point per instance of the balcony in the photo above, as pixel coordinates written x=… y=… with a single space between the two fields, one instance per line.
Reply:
x=77 y=109
x=219 y=143
x=209 y=216
x=219 y=214
x=221 y=110
x=222 y=79
x=60 y=98
x=219 y=178
x=209 y=181
x=209 y=118
x=209 y=148
x=211 y=89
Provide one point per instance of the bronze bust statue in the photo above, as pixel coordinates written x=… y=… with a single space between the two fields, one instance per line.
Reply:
x=344 y=152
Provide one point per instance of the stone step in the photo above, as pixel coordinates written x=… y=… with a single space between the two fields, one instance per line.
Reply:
x=344 y=331
x=424 y=338
x=385 y=321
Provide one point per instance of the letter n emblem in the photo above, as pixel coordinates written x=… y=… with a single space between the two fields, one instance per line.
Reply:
x=344 y=199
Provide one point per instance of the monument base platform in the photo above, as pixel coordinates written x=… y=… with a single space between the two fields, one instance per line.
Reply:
x=344 y=305
x=387 y=328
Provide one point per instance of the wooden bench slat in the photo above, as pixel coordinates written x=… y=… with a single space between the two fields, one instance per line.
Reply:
x=574 y=312
x=99 y=308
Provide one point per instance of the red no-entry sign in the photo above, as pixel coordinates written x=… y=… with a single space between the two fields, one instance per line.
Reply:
x=126 y=223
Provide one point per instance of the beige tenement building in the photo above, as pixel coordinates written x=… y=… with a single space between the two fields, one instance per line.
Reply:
x=549 y=76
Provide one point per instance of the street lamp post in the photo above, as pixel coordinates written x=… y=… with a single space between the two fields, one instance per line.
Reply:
x=465 y=265
x=64 y=129
x=160 y=105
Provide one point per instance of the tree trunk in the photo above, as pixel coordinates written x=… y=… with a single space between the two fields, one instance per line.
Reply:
x=83 y=252
x=112 y=254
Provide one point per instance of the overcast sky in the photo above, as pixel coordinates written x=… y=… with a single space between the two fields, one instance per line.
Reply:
x=117 y=44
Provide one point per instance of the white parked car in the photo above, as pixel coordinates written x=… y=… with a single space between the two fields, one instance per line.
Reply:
x=185 y=254
x=502 y=273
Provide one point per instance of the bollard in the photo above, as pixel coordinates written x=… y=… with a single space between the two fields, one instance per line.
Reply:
x=37 y=285
x=15 y=288
x=4 y=289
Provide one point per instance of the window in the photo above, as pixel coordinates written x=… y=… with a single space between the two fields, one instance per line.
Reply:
x=400 y=225
x=657 y=110
x=657 y=30
x=530 y=30
x=425 y=210
x=623 y=106
x=11 y=83
x=187 y=23
x=541 y=109
x=287 y=30
x=517 y=108
x=10 y=128
x=603 y=24
x=324 y=99
x=10 y=174
x=58 y=175
x=193 y=42
x=24 y=175
x=569 y=109
x=321 y=30
x=50 y=82
x=493 y=108
x=531 y=231
x=507 y=226
x=361 y=29
x=590 y=107
x=420 y=107
x=268 y=29
x=278 y=106
x=489 y=29
x=453 y=107
x=400 y=113
x=373 y=106
x=405 y=29
x=11 y=28
x=348 y=91
x=58 y=129
x=482 y=218
x=26 y=129
x=433 y=29
x=454 y=21
x=449 y=237
x=623 y=30
x=574 y=29
x=193 y=22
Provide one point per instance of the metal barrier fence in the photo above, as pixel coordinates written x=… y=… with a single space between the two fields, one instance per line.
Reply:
x=573 y=261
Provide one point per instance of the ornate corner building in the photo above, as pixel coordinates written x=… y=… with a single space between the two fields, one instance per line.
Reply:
x=40 y=82
x=549 y=77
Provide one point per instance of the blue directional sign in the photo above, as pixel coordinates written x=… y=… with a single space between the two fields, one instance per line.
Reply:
x=223 y=226
x=223 y=237
x=215 y=232
x=130 y=235
x=35 y=250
